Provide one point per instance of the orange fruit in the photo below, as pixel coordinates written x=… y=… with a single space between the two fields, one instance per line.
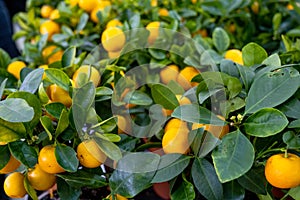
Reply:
x=44 y=67
x=47 y=160
x=14 y=185
x=89 y=154
x=283 y=172
x=52 y=54
x=94 y=12
x=39 y=179
x=113 y=39
x=123 y=124
x=114 y=23
x=217 y=131
x=46 y=11
x=73 y=2
x=54 y=14
x=169 y=73
x=175 y=140
x=117 y=197
x=255 y=7
x=90 y=72
x=11 y=166
x=185 y=77
x=153 y=28
x=57 y=94
x=15 y=68
x=290 y=6
x=49 y=27
x=234 y=55
x=163 y=12
x=175 y=123
x=88 y=5
x=114 y=54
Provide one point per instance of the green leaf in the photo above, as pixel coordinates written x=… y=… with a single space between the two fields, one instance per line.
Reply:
x=4 y=59
x=220 y=39
x=10 y=132
x=134 y=173
x=185 y=191
x=164 y=96
x=295 y=192
x=231 y=105
x=4 y=155
x=291 y=139
x=55 y=109
x=109 y=148
x=202 y=142
x=58 y=77
x=47 y=125
x=66 y=192
x=33 y=102
x=2 y=87
x=32 y=81
x=16 y=110
x=83 y=179
x=66 y=157
x=82 y=22
x=69 y=57
x=291 y=108
x=206 y=179
x=270 y=89
x=83 y=99
x=170 y=166
x=138 y=98
x=253 y=54
x=265 y=122
x=233 y=190
x=26 y=154
x=254 y=181
x=233 y=157
x=196 y=114
x=63 y=122
x=272 y=60
x=29 y=189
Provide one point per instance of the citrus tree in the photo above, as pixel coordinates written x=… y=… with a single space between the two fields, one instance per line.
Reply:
x=119 y=96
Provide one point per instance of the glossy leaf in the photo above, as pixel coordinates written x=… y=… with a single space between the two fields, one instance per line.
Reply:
x=26 y=154
x=164 y=96
x=63 y=122
x=134 y=173
x=58 y=77
x=68 y=58
x=291 y=108
x=10 y=132
x=65 y=191
x=33 y=102
x=170 y=166
x=265 y=122
x=82 y=22
x=291 y=139
x=196 y=114
x=66 y=157
x=2 y=86
x=273 y=60
x=269 y=89
x=109 y=148
x=295 y=192
x=4 y=59
x=4 y=155
x=233 y=191
x=47 y=125
x=55 y=109
x=16 y=110
x=220 y=39
x=32 y=81
x=254 y=181
x=29 y=189
x=82 y=178
x=202 y=142
x=185 y=191
x=206 y=179
x=231 y=105
x=233 y=157
x=253 y=54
